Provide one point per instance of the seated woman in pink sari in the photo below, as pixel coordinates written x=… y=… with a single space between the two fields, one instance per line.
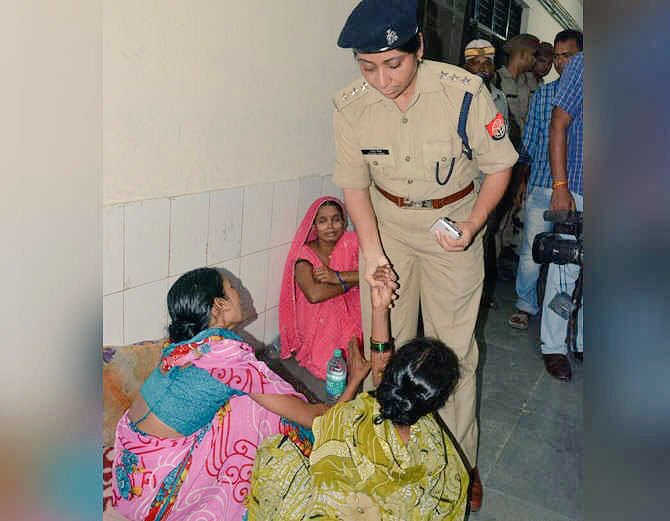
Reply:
x=186 y=446
x=319 y=306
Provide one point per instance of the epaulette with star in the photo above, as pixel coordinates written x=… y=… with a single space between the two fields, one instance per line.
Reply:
x=352 y=92
x=456 y=77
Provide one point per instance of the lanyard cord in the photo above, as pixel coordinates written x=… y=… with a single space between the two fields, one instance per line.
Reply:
x=437 y=172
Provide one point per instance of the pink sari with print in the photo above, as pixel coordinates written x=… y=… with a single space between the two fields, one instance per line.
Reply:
x=204 y=476
x=311 y=332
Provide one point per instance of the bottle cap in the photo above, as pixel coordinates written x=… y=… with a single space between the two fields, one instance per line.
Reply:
x=337 y=353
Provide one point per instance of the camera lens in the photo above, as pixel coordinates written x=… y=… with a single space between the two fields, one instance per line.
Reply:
x=551 y=248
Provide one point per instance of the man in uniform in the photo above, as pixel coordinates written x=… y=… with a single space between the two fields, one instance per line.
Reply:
x=512 y=80
x=402 y=165
x=479 y=59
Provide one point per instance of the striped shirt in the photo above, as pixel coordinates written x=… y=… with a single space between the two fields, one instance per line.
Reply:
x=535 y=141
x=570 y=97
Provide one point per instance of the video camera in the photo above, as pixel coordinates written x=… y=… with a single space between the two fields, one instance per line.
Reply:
x=551 y=248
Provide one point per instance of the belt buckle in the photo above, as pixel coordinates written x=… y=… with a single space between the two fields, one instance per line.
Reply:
x=426 y=203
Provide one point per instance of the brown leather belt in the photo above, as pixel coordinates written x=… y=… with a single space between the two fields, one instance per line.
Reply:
x=427 y=203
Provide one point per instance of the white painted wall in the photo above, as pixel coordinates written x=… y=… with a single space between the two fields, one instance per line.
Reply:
x=539 y=22
x=576 y=9
x=205 y=95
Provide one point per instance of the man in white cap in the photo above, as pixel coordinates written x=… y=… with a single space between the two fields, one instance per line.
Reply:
x=479 y=55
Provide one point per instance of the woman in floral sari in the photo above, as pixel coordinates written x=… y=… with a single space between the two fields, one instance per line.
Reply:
x=382 y=456
x=186 y=446
x=319 y=305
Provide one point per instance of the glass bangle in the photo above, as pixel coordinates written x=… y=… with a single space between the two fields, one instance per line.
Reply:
x=381 y=347
x=345 y=288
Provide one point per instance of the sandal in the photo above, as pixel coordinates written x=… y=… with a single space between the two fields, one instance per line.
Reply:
x=519 y=320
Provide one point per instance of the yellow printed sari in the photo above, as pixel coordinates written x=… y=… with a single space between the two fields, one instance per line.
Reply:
x=360 y=470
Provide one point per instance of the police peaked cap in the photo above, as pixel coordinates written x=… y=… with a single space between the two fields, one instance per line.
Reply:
x=379 y=25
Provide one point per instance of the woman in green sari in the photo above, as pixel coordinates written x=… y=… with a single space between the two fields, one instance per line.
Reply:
x=383 y=455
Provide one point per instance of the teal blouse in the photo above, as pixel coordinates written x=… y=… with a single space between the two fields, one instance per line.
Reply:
x=187 y=398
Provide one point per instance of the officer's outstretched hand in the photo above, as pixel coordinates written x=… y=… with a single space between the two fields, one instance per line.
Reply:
x=383 y=296
x=448 y=243
x=372 y=277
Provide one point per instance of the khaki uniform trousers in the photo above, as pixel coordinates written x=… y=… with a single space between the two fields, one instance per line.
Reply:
x=448 y=286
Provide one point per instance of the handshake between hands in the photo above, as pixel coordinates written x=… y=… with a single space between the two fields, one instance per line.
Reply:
x=382 y=294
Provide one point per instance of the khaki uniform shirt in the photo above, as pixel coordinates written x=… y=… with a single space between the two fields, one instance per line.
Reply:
x=518 y=98
x=500 y=101
x=401 y=152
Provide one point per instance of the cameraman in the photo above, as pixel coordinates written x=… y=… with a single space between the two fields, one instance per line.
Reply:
x=535 y=157
x=567 y=168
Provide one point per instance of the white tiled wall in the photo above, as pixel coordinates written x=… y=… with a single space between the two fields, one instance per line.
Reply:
x=310 y=189
x=257 y=328
x=189 y=217
x=112 y=306
x=271 y=324
x=146 y=241
x=276 y=260
x=145 y=311
x=112 y=240
x=254 y=277
x=329 y=188
x=232 y=266
x=225 y=225
x=256 y=218
x=284 y=212
x=247 y=231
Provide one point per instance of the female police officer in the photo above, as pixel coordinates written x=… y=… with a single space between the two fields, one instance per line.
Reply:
x=403 y=161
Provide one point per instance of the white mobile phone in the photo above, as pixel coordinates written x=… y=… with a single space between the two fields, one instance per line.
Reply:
x=446 y=225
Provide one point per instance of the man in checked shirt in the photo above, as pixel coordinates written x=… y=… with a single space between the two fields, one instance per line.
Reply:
x=535 y=158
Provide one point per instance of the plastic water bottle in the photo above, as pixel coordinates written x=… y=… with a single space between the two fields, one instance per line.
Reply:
x=336 y=376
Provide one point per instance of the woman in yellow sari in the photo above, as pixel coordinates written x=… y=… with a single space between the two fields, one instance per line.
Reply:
x=383 y=455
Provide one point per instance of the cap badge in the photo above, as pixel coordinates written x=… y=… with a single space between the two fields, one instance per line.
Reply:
x=391 y=36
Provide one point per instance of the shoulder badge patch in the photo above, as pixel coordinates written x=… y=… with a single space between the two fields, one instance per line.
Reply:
x=496 y=128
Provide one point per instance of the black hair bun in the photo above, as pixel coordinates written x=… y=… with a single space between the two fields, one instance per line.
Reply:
x=417 y=381
x=179 y=329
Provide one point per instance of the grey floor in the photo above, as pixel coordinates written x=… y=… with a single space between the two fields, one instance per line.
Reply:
x=531 y=425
